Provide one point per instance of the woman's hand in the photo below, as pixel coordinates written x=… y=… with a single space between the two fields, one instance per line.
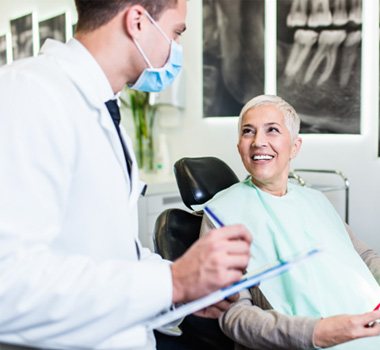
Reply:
x=342 y=328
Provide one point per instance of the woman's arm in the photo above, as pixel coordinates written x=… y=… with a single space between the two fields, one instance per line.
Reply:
x=249 y=325
x=255 y=328
x=206 y=225
x=369 y=256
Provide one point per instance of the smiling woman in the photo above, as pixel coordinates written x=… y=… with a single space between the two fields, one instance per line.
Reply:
x=268 y=140
x=297 y=310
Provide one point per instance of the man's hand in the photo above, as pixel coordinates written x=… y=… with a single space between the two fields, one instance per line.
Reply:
x=214 y=311
x=340 y=329
x=214 y=261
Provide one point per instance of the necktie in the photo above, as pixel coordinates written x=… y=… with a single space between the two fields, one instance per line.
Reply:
x=113 y=108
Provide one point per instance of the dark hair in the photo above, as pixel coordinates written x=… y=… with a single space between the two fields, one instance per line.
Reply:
x=92 y=14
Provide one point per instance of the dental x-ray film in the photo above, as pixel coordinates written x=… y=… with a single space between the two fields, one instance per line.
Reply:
x=233 y=55
x=318 y=59
x=318 y=62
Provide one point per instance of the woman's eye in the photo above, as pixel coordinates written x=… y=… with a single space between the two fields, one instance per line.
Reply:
x=273 y=130
x=246 y=131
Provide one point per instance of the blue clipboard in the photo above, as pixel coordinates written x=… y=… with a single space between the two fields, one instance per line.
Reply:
x=246 y=282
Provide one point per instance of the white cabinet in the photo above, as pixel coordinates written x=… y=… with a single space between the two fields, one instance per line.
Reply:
x=160 y=195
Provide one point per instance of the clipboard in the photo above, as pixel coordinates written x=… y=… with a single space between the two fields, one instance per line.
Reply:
x=247 y=281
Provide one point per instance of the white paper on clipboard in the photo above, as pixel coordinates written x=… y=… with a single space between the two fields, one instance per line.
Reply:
x=247 y=282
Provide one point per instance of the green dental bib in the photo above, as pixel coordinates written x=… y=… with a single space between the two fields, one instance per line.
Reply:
x=336 y=281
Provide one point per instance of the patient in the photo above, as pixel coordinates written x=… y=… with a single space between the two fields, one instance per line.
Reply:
x=295 y=310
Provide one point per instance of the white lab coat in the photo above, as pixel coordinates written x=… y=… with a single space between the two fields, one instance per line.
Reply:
x=69 y=273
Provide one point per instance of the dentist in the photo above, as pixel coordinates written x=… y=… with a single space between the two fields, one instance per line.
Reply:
x=73 y=274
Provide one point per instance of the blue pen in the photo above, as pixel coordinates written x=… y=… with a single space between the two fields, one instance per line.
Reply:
x=213 y=216
x=220 y=224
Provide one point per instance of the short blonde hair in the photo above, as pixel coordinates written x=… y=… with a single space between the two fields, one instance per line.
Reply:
x=292 y=120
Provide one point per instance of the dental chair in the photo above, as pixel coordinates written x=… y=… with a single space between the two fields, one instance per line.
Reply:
x=198 y=179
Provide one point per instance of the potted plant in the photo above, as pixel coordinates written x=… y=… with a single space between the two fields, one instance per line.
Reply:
x=143 y=114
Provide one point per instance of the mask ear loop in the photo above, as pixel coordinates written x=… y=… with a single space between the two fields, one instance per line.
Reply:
x=157 y=26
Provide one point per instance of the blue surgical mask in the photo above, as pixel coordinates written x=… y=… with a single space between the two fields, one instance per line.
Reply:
x=157 y=79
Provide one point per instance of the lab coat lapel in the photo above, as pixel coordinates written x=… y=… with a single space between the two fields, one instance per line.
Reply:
x=106 y=122
x=89 y=90
x=137 y=185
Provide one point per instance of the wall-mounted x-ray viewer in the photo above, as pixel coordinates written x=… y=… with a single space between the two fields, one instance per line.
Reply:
x=318 y=46
x=319 y=62
x=24 y=36
x=3 y=50
x=56 y=26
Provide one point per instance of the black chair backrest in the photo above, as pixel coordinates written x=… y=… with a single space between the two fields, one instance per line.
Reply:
x=175 y=231
x=199 y=179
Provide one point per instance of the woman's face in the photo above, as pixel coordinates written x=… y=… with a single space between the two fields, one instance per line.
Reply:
x=266 y=148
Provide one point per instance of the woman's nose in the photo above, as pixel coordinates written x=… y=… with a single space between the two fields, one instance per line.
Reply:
x=259 y=140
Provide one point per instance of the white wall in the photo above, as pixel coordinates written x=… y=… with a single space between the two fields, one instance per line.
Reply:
x=355 y=155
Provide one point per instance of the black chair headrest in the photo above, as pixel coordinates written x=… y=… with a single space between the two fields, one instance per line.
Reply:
x=199 y=179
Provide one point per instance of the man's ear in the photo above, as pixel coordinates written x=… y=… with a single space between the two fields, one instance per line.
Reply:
x=134 y=19
x=297 y=143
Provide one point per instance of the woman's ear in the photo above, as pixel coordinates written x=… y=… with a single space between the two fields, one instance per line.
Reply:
x=297 y=143
x=134 y=20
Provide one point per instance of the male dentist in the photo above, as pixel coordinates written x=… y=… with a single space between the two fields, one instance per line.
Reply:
x=73 y=274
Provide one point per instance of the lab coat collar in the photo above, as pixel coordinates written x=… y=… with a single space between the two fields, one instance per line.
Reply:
x=92 y=83
x=83 y=69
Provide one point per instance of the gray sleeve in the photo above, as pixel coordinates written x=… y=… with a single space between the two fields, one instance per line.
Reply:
x=206 y=225
x=256 y=328
x=369 y=256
